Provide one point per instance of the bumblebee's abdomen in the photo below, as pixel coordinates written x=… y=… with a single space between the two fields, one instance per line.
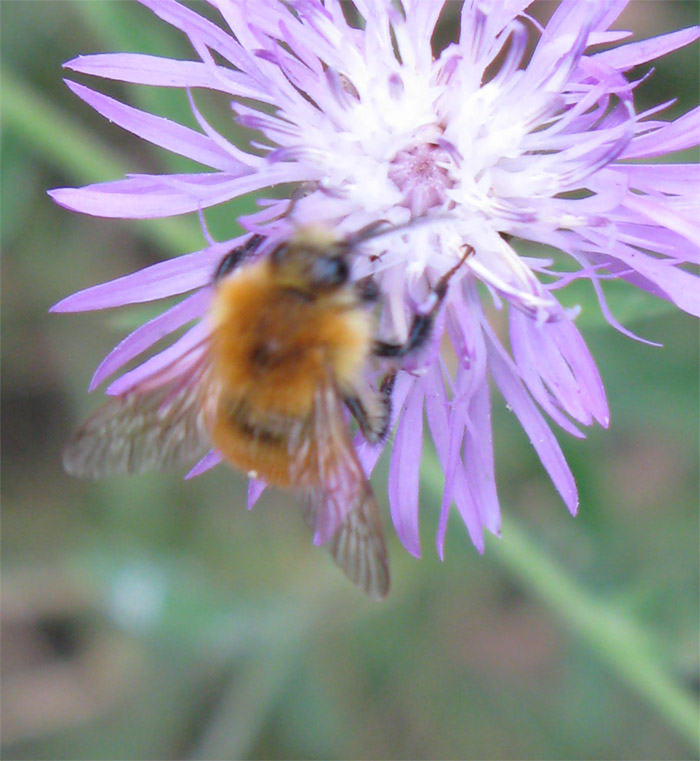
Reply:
x=255 y=442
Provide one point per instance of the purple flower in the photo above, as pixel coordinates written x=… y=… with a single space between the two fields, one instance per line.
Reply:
x=493 y=143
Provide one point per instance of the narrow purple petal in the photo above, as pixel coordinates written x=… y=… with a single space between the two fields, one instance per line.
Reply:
x=295 y=39
x=246 y=159
x=479 y=462
x=606 y=38
x=256 y=487
x=423 y=15
x=199 y=30
x=530 y=369
x=605 y=309
x=677 y=135
x=452 y=462
x=142 y=69
x=159 y=281
x=437 y=410
x=680 y=287
x=657 y=211
x=556 y=353
x=160 y=131
x=480 y=24
x=589 y=384
x=658 y=239
x=472 y=387
x=624 y=57
x=675 y=179
x=149 y=196
x=547 y=447
x=210 y=460
x=610 y=10
x=241 y=21
x=404 y=471
x=553 y=61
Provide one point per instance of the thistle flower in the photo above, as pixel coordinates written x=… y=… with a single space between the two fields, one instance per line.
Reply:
x=496 y=145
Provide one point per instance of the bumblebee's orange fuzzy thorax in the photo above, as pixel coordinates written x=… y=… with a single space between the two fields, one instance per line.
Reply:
x=274 y=345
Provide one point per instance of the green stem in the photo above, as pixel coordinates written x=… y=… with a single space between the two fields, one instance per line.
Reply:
x=618 y=640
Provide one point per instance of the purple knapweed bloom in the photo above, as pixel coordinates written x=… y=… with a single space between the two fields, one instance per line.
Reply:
x=515 y=132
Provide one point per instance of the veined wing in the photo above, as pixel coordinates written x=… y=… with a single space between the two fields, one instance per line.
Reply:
x=359 y=549
x=342 y=509
x=154 y=426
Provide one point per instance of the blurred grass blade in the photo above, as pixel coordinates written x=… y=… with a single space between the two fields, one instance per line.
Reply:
x=618 y=640
x=628 y=649
x=71 y=149
x=235 y=726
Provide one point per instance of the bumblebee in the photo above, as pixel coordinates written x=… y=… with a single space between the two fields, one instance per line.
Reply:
x=290 y=336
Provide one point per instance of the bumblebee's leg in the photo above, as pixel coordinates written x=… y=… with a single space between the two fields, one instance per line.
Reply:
x=373 y=412
x=422 y=324
x=366 y=290
x=372 y=230
x=233 y=258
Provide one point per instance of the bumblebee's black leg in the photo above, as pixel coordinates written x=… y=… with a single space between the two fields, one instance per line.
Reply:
x=387 y=385
x=422 y=324
x=366 y=289
x=373 y=415
x=233 y=258
x=372 y=230
x=358 y=411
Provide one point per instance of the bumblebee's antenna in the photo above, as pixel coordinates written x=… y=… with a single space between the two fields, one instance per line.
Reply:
x=301 y=191
x=375 y=229
x=381 y=227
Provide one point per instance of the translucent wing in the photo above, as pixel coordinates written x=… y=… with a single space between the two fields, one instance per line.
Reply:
x=359 y=549
x=151 y=427
x=342 y=508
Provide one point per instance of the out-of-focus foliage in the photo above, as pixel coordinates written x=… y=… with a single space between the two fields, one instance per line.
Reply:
x=155 y=618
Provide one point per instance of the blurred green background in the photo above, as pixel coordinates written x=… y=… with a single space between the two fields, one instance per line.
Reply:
x=155 y=618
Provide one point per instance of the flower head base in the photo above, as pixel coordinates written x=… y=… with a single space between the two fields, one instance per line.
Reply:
x=481 y=145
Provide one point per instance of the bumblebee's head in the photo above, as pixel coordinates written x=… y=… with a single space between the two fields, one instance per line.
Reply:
x=313 y=260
